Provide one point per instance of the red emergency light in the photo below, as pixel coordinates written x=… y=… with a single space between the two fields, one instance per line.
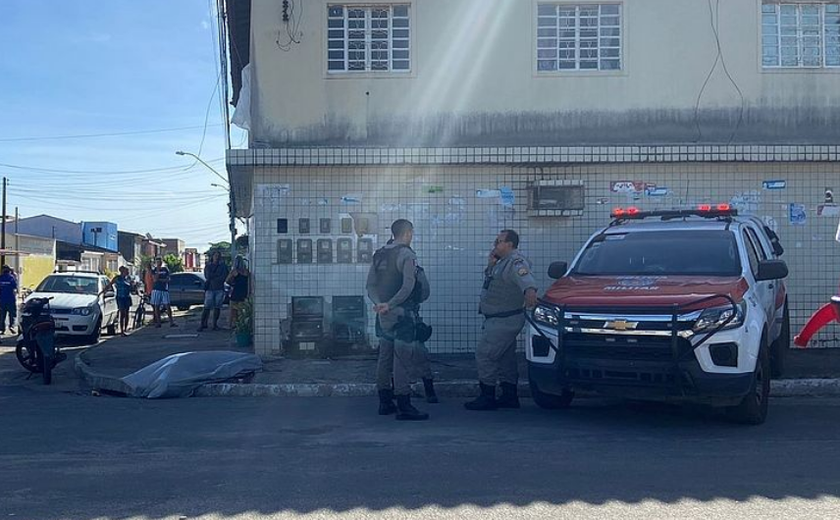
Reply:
x=721 y=210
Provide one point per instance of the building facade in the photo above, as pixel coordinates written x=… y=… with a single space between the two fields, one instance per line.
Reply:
x=100 y=234
x=470 y=116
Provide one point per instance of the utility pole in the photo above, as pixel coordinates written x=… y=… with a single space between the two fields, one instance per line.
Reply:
x=3 y=230
x=17 y=241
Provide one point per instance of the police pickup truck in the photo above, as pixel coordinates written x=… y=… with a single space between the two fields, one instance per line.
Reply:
x=672 y=305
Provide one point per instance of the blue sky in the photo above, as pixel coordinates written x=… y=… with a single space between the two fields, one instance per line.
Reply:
x=114 y=66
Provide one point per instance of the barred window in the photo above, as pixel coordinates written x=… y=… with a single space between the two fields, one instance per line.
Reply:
x=578 y=37
x=368 y=38
x=800 y=35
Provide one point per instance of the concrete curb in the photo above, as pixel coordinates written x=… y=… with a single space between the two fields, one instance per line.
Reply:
x=448 y=389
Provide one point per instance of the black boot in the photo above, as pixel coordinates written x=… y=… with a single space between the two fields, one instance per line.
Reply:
x=216 y=313
x=205 y=315
x=386 y=402
x=486 y=401
x=407 y=412
x=509 y=397
x=431 y=396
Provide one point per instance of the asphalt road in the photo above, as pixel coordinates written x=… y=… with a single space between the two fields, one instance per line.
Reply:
x=68 y=455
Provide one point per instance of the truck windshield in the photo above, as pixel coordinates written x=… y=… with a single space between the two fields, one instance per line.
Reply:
x=703 y=253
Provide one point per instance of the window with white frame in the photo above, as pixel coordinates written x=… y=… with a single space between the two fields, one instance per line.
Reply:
x=800 y=35
x=578 y=37
x=363 y=38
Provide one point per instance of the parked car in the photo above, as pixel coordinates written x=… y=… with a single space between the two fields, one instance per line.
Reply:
x=186 y=290
x=77 y=306
x=668 y=305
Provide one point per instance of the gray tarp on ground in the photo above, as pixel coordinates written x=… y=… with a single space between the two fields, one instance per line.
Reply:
x=179 y=375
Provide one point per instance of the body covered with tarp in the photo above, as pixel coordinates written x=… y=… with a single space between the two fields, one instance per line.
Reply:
x=179 y=375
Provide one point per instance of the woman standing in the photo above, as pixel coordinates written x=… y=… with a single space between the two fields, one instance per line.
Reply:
x=239 y=282
x=123 y=285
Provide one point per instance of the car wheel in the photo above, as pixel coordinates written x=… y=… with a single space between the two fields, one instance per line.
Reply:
x=550 y=401
x=93 y=338
x=781 y=346
x=753 y=408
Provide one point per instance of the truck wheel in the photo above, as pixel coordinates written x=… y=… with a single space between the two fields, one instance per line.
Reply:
x=781 y=346
x=550 y=401
x=753 y=408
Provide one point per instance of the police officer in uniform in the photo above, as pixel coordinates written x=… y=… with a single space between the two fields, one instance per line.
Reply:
x=392 y=286
x=509 y=288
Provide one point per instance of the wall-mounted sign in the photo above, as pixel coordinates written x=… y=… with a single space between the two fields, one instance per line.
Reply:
x=774 y=185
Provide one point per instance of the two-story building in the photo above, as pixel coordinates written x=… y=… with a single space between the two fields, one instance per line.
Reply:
x=470 y=116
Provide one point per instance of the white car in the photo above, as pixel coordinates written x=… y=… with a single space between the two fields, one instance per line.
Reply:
x=77 y=306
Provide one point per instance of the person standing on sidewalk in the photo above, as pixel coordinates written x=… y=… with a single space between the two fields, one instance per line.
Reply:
x=160 y=299
x=509 y=287
x=122 y=285
x=8 y=299
x=215 y=274
x=239 y=281
x=390 y=284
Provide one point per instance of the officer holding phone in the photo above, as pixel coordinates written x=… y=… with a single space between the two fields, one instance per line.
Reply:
x=509 y=288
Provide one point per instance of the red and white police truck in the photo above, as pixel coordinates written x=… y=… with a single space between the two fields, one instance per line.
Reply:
x=668 y=305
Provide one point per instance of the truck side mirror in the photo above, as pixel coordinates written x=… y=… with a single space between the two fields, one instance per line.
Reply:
x=557 y=269
x=771 y=270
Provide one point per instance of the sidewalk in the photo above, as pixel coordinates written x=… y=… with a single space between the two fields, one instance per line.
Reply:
x=808 y=372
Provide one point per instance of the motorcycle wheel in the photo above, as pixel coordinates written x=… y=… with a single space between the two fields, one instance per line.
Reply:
x=26 y=358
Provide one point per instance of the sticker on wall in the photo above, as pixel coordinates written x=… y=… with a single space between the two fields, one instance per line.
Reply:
x=746 y=202
x=389 y=208
x=506 y=197
x=652 y=190
x=434 y=189
x=774 y=185
x=352 y=198
x=828 y=210
x=487 y=194
x=457 y=201
x=602 y=201
x=324 y=202
x=627 y=187
x=273 y=191
x=797 y=214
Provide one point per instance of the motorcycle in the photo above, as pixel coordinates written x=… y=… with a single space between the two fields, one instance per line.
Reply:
x=36 y=349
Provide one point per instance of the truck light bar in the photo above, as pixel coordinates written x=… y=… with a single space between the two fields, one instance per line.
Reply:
x=703 y=210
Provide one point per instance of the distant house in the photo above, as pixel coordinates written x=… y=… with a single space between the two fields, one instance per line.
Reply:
x=50 y=227
x=173 y=246
x=33 y=258
x=100 y=234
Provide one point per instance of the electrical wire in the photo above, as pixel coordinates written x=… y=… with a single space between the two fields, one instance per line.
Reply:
x=714 y=21
x=105 y=172
x=104 y=134
x=292 y=29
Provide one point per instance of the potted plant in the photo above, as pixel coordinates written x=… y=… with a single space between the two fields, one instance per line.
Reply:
x=244 y=324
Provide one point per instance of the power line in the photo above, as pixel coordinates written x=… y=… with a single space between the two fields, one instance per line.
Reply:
x=104 y=134
x=104 y=172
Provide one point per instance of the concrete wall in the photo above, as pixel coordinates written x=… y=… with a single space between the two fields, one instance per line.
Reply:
x=457 y=214
x=38 y=264
x=474 y=81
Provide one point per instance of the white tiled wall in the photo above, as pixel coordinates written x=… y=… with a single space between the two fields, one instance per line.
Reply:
x=455 y=227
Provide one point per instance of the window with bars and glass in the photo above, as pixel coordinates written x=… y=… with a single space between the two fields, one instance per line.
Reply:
x=368 y=38
x=800 y=35
x=578 y=37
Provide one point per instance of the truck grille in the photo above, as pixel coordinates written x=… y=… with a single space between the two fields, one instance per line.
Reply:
x=623 y=348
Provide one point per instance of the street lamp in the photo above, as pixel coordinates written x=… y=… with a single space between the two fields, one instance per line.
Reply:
x=231 y=205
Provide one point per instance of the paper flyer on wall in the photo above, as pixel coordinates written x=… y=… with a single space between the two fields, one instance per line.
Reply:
x=837 y=235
